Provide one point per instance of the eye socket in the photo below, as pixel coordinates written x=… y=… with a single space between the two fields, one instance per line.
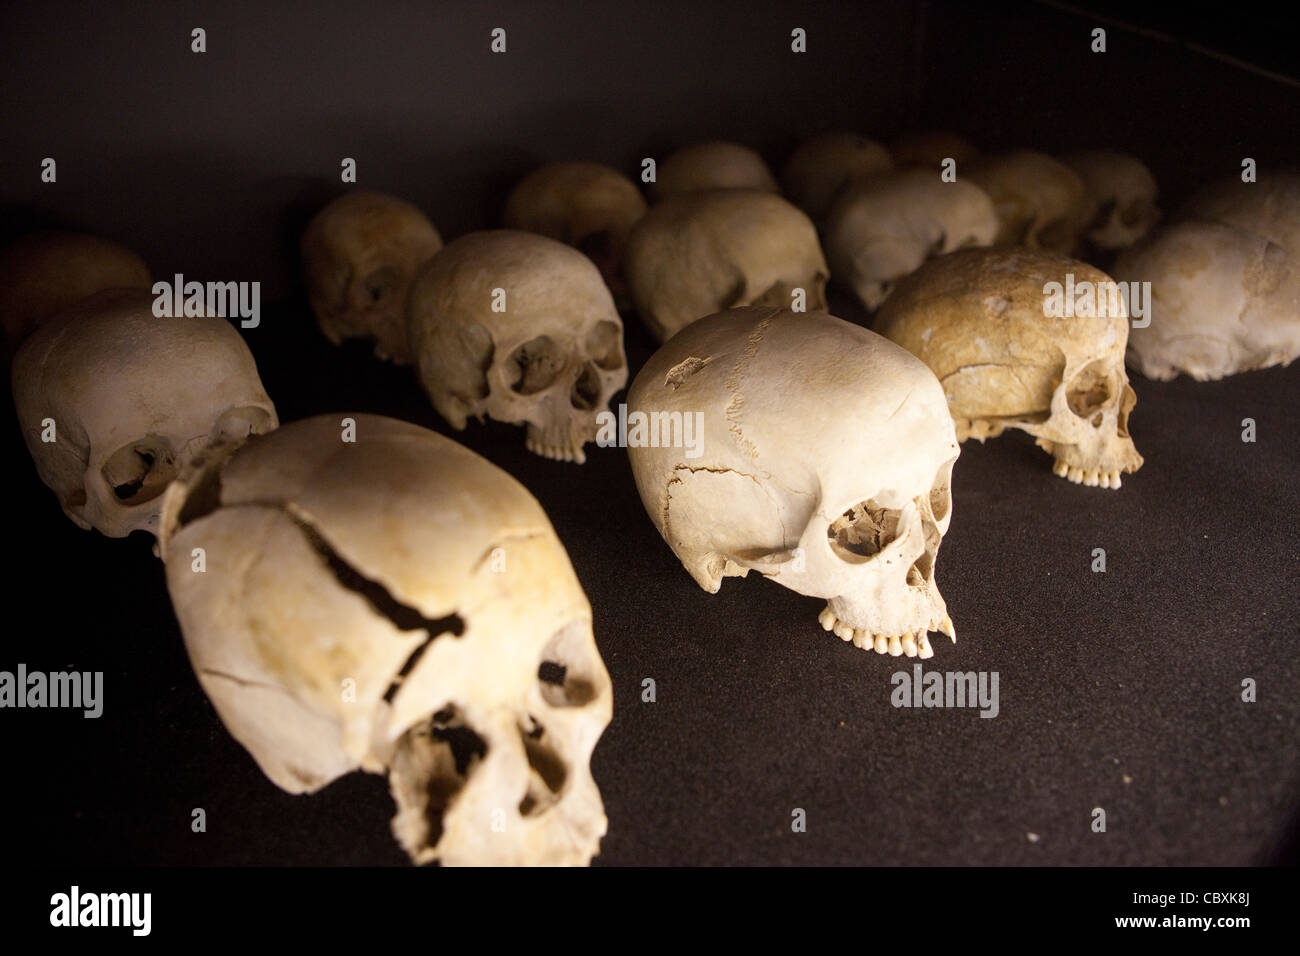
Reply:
x=534 y=366
x=565 y=674
x=379 y=287
x=140 y=471
x=1091 y=390
x=604 y=345
x=863 y=531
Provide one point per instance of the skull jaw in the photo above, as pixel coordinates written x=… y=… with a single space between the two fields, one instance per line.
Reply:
x=895 y=626
x=1097 y=463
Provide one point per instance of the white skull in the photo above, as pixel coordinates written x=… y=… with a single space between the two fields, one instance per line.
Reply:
x=825 y=166
x=585 y=205
x=1039 y=200
x=698 y=254
x=133 y=398
x=522 y=329
x=929 y=148
x=880 y=231
x=399 y=605
x=712 y=165
x=1269 y=207
x=825 y=464
x=1223 y=301
x=359 y=255
x=978 y=318
x=46 y=272
x=1119 y=197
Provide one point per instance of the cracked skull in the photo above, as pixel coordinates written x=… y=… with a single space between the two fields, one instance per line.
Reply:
x=1223 y=301
x=881 y=231
x=359 y=255
x=825 y=465
x=520 y=328
x=695 y=255
x=113 y=401
x=585 y=205
x=399 y=605
x=980 y=319
x=1040 y=201
x=46 y=272
x=1119 y=197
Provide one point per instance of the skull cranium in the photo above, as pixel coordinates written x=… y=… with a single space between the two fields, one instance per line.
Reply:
x=980 y=319
x=698 y=254
x=849 y=506
x=520 y=328
x=404 y=607
x=359 y=255
x=130 y=398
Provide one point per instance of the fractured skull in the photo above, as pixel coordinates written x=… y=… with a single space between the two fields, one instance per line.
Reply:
x=399 y=605
x=985 y=322
x=825 y=465
x=520 y=328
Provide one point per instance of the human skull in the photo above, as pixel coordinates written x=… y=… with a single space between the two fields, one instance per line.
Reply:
x=1119 y=197
x=1223 y=301
x=520 y=328
x=1040 y=201
x=359 y=255
x=882 y=230
x=979 y=318
x=712 y=165
x=825 y=463
x=399 y=605
x=698 y=254
x=929 y=149
x=45 y=272
x=586 y=205
x=132 y=398
x=1269 y=207
x=825 y=166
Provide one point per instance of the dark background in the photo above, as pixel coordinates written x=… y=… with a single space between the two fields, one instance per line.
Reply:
x=1119 y=690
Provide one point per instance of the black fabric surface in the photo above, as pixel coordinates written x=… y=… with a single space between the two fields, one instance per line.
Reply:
x=1119 y=690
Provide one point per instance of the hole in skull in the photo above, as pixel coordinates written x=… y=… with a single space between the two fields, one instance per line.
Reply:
x=604 y=345
x=862 y=531
x=535 y=365
x=548 y=772
x=431 y=763
x=140 y=471
x=380 y=286
x=936 y=247
x=565 y=675
x=586 y=390
x=1091 y=390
